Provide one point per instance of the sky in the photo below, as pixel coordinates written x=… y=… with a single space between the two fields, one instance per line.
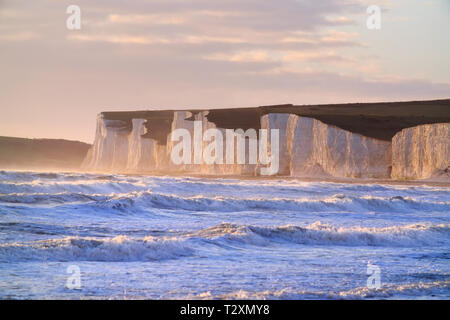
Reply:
x=177 y=54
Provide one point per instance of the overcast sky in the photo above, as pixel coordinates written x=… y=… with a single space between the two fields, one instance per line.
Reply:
x=157 y=54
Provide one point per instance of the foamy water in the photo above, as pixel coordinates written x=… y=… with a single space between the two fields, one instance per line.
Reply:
x=138 y=237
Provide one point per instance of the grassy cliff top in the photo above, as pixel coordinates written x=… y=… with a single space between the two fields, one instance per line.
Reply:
x=381 y=120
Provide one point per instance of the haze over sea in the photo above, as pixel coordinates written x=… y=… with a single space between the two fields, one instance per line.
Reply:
x=167 y=237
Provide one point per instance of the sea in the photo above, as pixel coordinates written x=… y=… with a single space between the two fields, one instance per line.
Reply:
x=107 y=236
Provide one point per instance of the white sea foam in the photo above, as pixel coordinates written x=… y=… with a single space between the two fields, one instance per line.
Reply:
x=405 y=291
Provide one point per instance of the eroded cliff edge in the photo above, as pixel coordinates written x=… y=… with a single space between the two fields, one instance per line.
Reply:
x=314 y=141
x=422 y=152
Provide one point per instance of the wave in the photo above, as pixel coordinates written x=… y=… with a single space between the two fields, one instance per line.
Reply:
x=143 y=200
x=319 y=233
x=150 y=248
x=34 y=228
x=94 y=186
x=118 y=192
x=403 y=291
x=337 y=202
x=27 y=176
x=45 y=198
x=120 y=248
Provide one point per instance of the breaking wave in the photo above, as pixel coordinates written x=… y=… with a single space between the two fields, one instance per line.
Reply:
x=123 y=248
x=137 y=200
x=120 y=248
x=319 y=233
x=228 y=204
x=405 y=291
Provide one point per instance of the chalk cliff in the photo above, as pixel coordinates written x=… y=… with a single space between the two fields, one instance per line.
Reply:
x=117 y=147
x=306 y=147
x=422 y=152
x=404 y=140
x=279 y=121
x=110 y=148
x=318 y=149
x=311 y=148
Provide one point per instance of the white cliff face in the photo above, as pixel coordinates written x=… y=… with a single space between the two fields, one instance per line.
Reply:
x=232 y=167
x=307 y=147
x=110 y=148
x=278 y=121
x=317 y=149
x=199 y=146
x=422 y=152
x=179 y=122
x=116 y=149
x=141 y=151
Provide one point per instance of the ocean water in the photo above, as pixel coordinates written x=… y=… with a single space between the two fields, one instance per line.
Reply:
x=144 y=237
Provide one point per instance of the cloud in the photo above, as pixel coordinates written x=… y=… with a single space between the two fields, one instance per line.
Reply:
x=340 y=20
x=119 y=39
x=20 y=36
x=244 y=56
x=197 y=53
x=144 y=19
x=322 y=57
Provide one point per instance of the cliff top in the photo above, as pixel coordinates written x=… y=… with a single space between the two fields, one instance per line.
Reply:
x=380 y=120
